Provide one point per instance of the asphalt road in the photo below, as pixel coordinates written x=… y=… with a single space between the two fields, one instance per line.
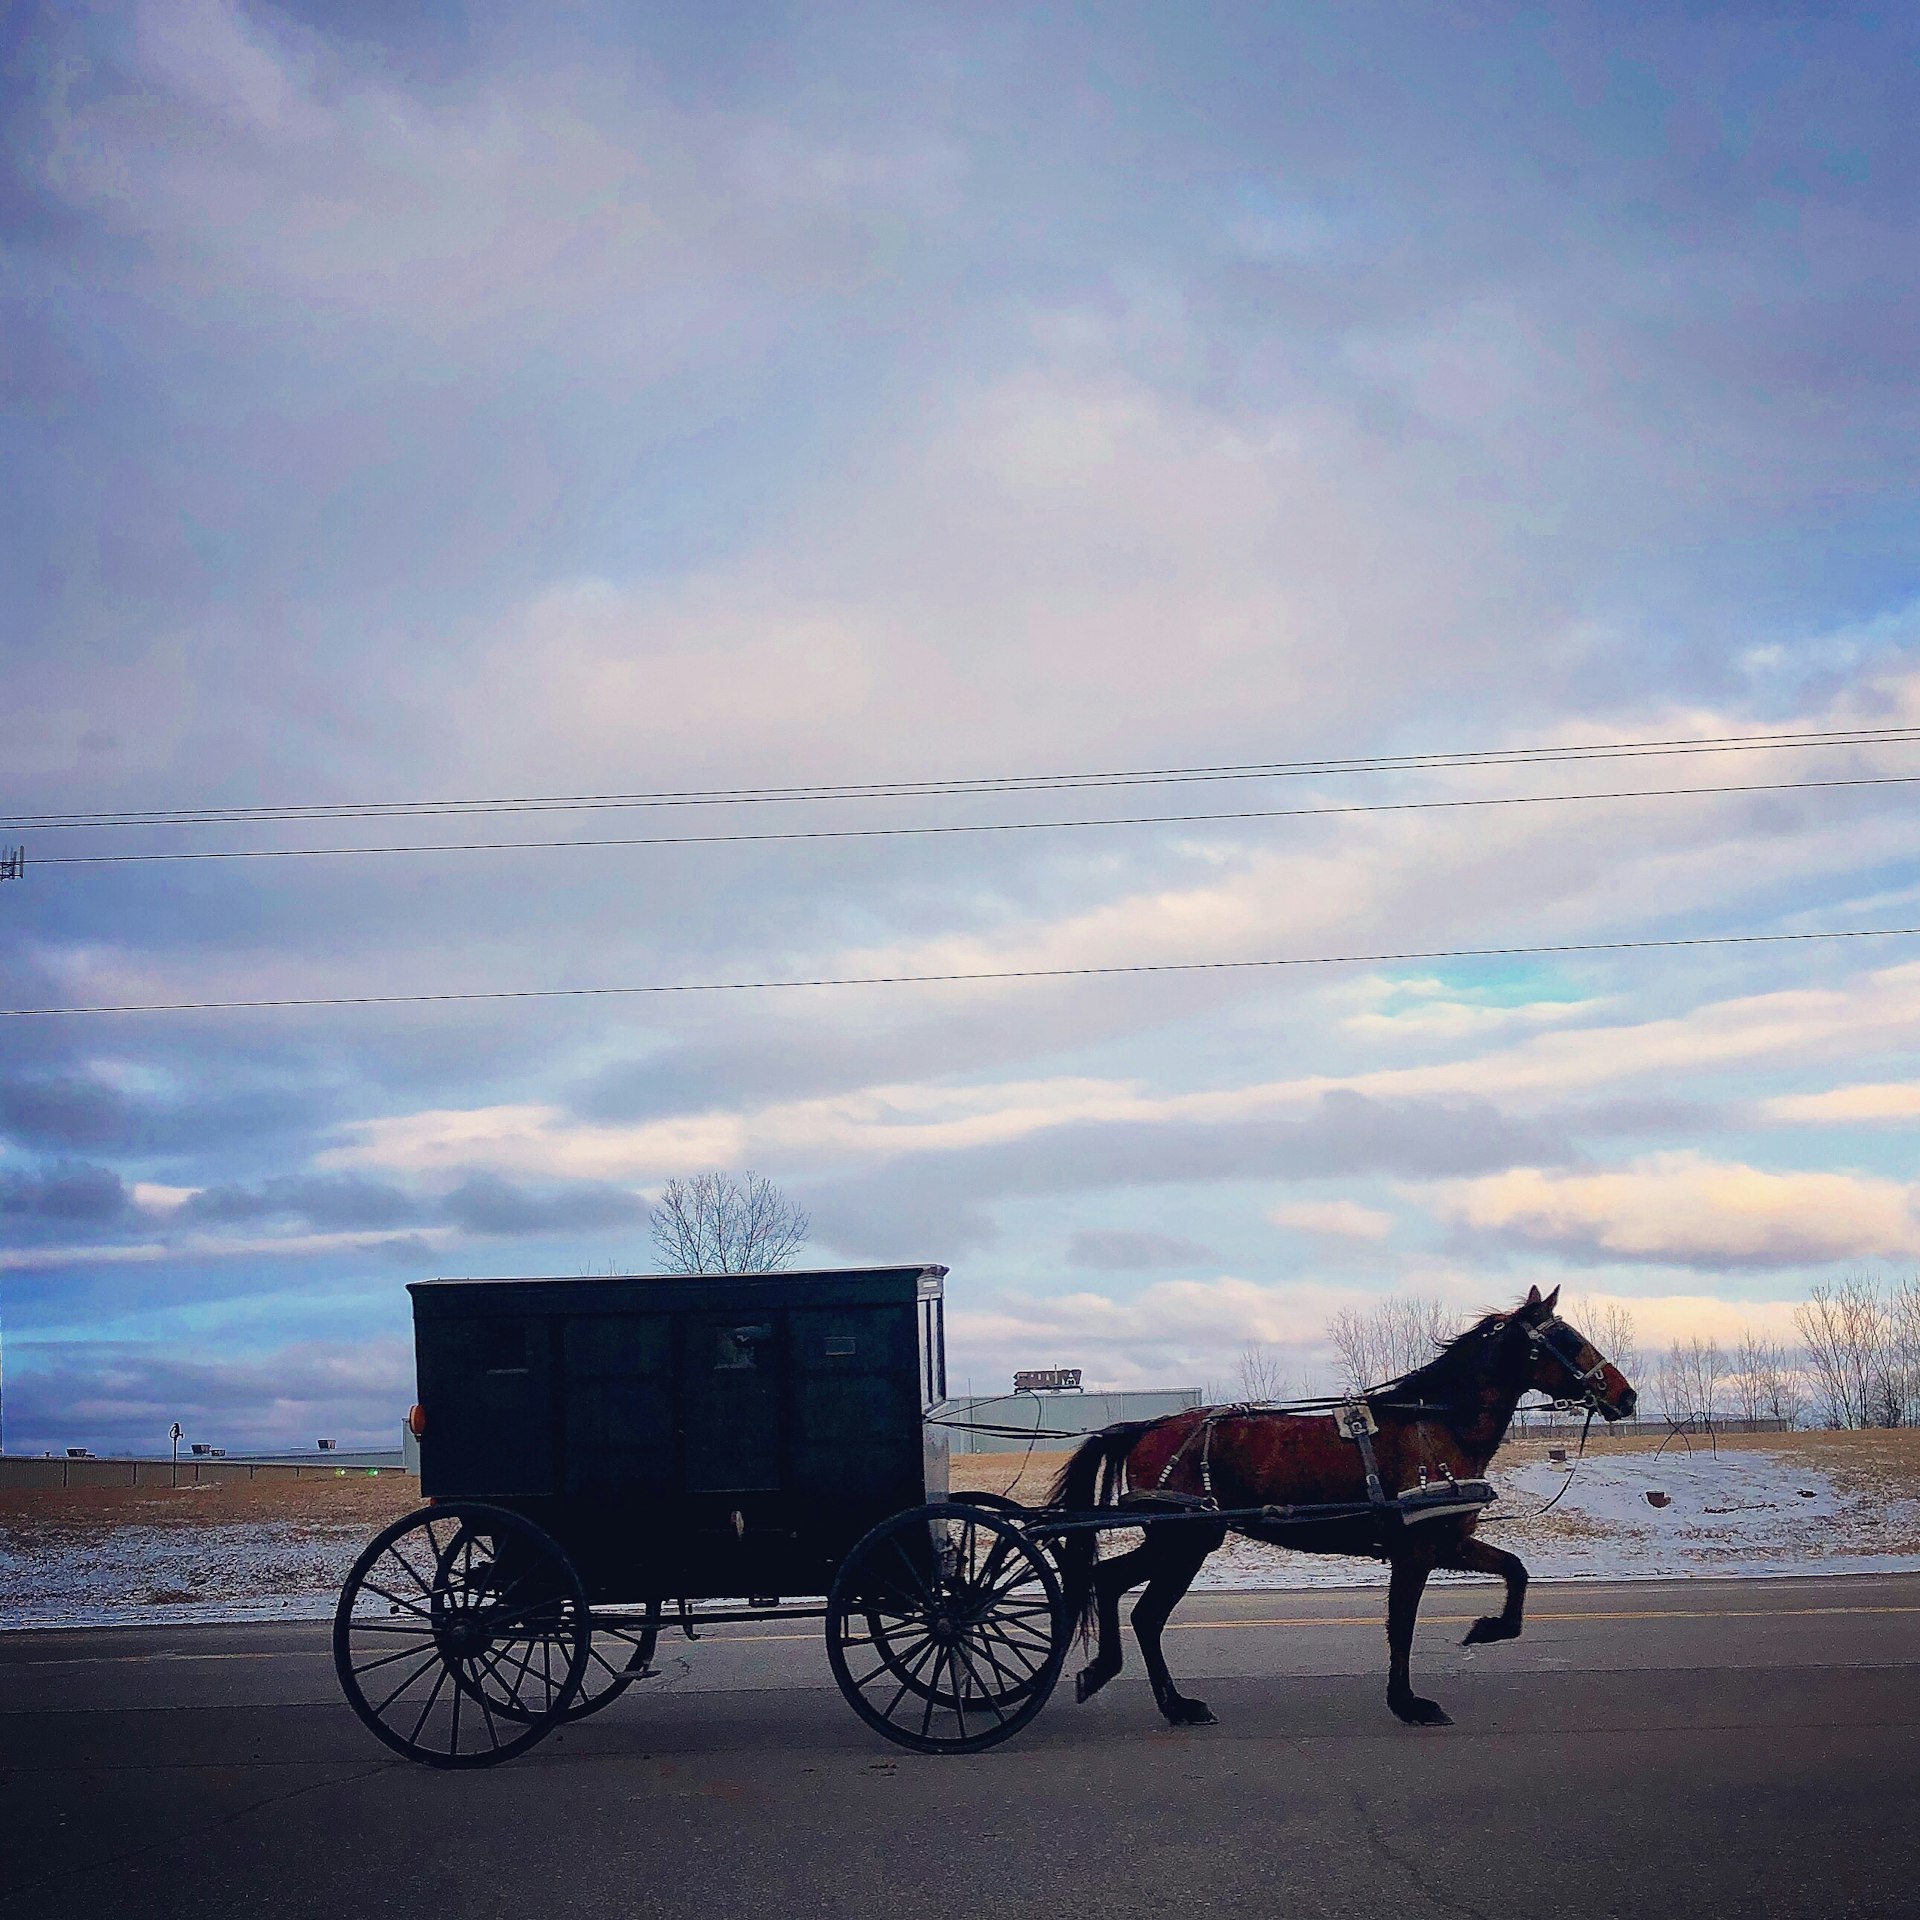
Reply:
x=1648 y=1750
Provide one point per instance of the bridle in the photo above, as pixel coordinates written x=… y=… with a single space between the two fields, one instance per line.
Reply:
x=1554 y=1336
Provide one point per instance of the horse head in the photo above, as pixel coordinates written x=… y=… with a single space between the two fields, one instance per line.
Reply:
x=1564 y=1364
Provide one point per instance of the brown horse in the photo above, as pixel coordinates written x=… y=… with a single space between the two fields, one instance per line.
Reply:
x=1441 y=1421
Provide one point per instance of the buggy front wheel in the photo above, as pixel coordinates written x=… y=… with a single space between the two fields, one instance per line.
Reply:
x=946 y=1629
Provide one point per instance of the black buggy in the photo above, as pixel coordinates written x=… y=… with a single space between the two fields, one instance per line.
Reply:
x=607 y=1459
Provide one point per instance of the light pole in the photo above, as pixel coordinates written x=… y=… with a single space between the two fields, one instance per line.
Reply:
x=173 y=1434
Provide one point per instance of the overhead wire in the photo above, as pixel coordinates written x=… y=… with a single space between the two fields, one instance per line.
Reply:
x=972 y=827
x=994 y=974
x=1549 y=755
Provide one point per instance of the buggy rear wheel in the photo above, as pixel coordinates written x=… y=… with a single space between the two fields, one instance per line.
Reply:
x=617 y=1656
x=461 y=1635
x=946 y=1629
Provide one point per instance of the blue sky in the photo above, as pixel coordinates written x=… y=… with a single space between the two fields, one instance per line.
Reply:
x=422 y=402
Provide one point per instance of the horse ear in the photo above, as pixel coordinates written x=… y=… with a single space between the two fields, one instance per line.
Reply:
x=1551 y=1301
x=1533 y=1297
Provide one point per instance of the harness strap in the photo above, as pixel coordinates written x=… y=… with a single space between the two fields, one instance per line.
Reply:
x=1203 y=1432
x=1356 y=1422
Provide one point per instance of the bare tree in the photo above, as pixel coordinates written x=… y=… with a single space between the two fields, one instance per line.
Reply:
x=1609 y=1324
x=1849 y=1342
x=1751 y=1381
x=1903 y=1327
x=1350 y=1332
x=1689 y=1379
x=715 y=1223
x=1262 y=1373
x=1787 y=1387
x=1390 y=1338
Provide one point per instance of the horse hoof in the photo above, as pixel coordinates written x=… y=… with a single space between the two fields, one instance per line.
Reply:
x=1086 y=1683
x=1190 y=1713
x=1491 y=1628
x=1421 y=1713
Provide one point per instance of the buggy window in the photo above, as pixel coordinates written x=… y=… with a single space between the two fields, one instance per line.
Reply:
x=503 y=1347
x=737 y=1348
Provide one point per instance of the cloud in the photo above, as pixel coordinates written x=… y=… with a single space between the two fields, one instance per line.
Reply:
x=62 y=1112
x=534 y=1142
x=486 y=1204
x=197 y=1247
x=1869 y=1104
x=124 y=1395
x=411 y=407
x=1684 y=1209
x=68 y=1192
x=1125 y=1250
x=1171 y=1333
x=1339 y=1219
x=208 y=1105
x=328 y=1203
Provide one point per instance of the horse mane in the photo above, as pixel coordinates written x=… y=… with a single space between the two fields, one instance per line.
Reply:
x=1458 y=1359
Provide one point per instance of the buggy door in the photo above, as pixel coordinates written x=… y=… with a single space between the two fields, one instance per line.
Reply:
x=730 y=1373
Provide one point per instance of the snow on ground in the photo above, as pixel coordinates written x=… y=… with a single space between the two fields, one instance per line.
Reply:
x=1748 y=1512
x=145 y=1575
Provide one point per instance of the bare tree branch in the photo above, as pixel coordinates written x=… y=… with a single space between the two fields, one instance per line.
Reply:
x=715 y=1223
x=1262 y=1374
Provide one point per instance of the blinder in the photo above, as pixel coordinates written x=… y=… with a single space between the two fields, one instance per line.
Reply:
x=1566 y=1346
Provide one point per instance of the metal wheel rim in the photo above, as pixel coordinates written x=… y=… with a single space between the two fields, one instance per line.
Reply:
x=461 y=1635
x=944 y=1629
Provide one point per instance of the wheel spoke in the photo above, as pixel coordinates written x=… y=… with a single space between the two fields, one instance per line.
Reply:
x=919 y=1585
x=986 y=1653
x=986 y=1692
x=413 y=1739
x=486 y=1712
x=393 y=1548
x=933 y=1688
x=1016 y=1650
x=523 y=1674
x=399 y=1600
x=387 y=1659
x=431 y=1658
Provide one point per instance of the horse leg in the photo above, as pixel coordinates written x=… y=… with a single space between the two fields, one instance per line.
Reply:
x=1475 y=1556
x=1404 y=1588
x=1111 y=1579
x=1176 y=1562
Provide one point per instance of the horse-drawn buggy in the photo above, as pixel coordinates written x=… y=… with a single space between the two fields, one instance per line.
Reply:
x=608 y=1459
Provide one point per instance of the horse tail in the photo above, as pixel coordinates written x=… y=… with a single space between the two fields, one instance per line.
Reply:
x=1092 y=1478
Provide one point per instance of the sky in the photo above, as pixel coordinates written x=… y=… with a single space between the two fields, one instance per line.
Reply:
x=427 y=402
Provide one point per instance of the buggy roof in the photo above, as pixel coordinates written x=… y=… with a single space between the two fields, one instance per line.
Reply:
x=919 y=1269
x=624 y=1293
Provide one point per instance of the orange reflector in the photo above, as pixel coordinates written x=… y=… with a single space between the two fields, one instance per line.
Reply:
x=416 y=1420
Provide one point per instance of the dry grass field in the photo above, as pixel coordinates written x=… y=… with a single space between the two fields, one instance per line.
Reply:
x=350 y=1499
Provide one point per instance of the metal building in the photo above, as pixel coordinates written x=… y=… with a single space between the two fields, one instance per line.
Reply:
x=1056 y=1418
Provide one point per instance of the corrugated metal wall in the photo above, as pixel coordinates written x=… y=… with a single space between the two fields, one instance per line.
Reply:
x=1065 y=1415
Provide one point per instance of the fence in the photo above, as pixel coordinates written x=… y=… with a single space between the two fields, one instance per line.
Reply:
x=1560 y=1428
x=28 y=1470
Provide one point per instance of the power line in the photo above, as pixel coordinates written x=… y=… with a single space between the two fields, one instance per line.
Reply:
x=960 y=788
x=973 y=827
x=994 y=974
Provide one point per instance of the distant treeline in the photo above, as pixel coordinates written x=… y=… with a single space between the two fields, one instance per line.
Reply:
x=1856 y=1363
